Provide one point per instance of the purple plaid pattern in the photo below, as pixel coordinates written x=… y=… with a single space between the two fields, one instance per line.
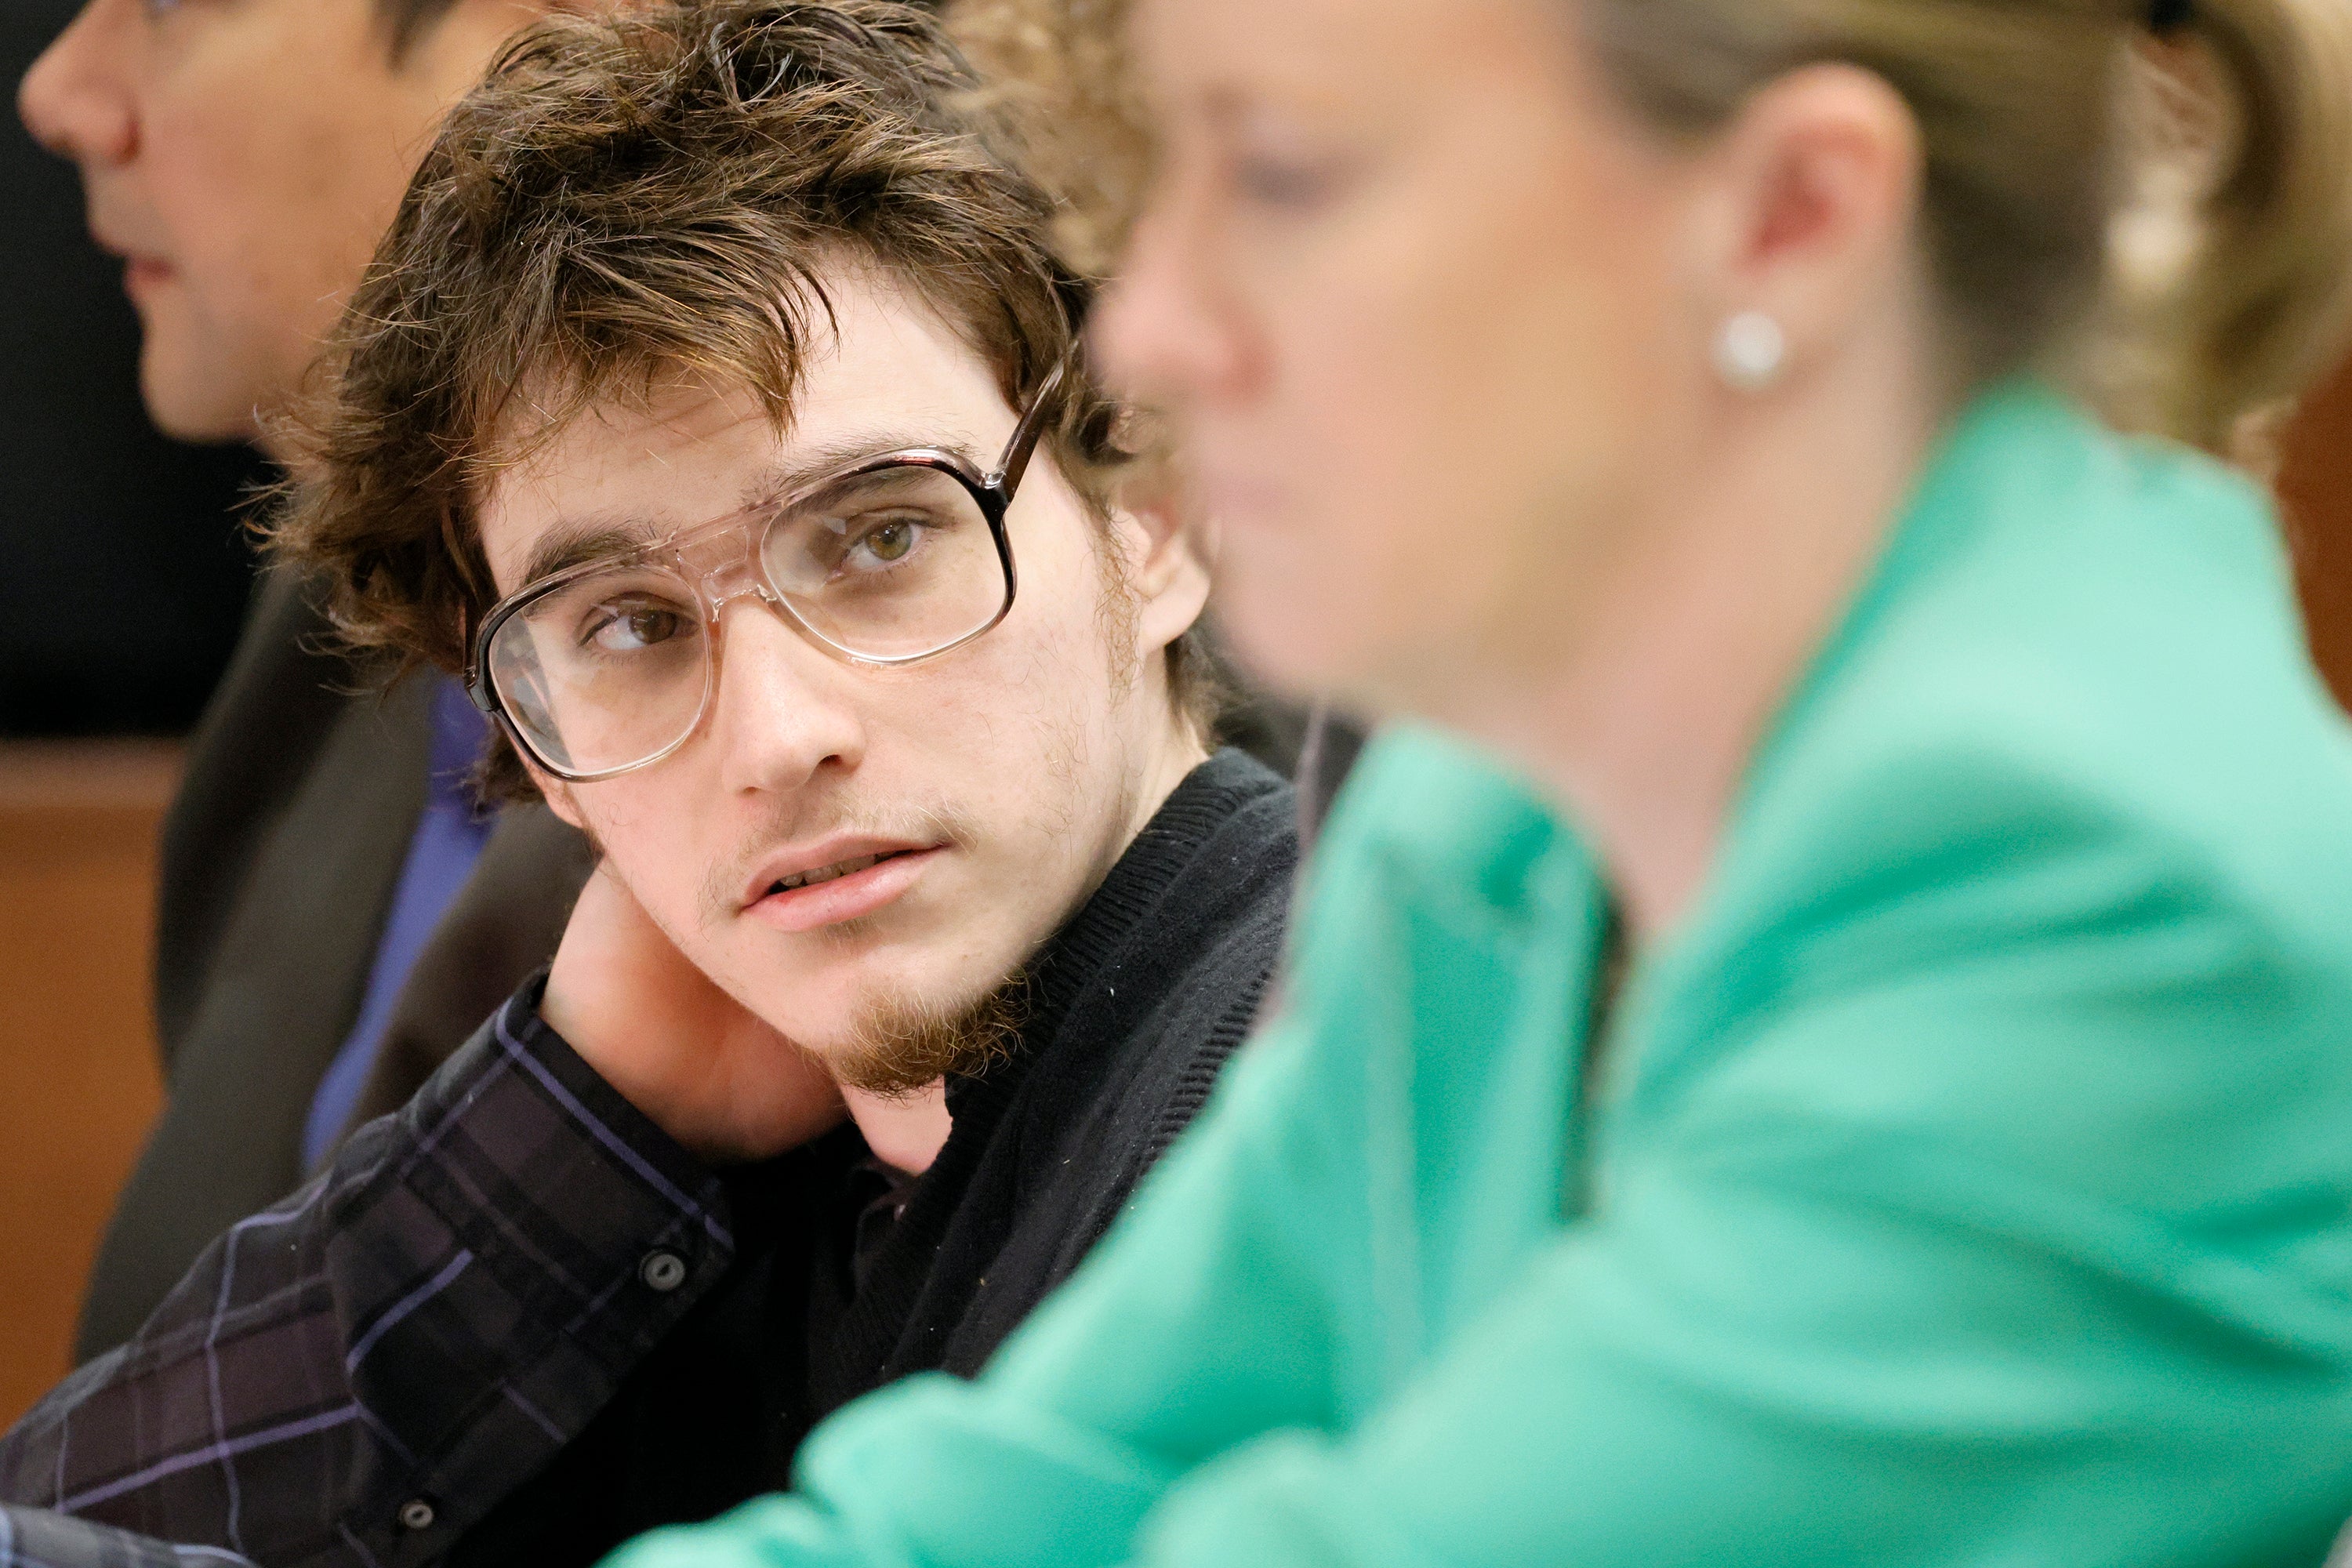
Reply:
x=358 y=1375
x=33 y=1540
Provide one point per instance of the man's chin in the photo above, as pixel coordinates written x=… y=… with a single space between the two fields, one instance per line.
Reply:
x=185 y=403
x=895 y=1040
x=197 y=425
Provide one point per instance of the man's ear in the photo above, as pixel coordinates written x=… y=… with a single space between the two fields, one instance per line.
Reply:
x=1167 y=566
x=477 y=23
x=454 y=47
x=557 y=793
x=521 y=13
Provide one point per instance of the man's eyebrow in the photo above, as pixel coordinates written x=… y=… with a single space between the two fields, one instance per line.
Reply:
x=577 y=543
x=814 y=463
x=569 y=544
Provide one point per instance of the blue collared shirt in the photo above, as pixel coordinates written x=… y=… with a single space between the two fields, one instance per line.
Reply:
x=448 y=840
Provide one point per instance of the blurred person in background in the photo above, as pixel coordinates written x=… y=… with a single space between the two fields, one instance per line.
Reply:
x=1861 y=1080
x=336 y=915
x=128 y=575
x=1081 y=131
x=712 y=393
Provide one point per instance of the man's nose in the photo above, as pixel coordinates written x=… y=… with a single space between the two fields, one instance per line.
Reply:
x=783 y=714
x=75 y=100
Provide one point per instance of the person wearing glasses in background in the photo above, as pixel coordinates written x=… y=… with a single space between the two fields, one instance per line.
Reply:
x=335 y=915
x=713 y=411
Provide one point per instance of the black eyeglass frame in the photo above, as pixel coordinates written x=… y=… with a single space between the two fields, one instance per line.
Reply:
x=992 y=492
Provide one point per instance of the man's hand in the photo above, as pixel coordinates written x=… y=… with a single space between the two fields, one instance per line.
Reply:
x=709 y=1074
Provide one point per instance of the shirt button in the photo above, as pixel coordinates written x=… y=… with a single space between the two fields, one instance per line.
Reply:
x=416 y=1514
x=662 y=1271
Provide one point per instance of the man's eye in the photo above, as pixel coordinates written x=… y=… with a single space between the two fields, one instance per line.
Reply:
x=631 y=629
x=886 y=544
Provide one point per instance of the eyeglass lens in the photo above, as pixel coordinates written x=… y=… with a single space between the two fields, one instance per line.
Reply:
x=614 y=667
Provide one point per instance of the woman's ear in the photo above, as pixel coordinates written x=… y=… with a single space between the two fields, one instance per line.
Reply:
x=1810 y=215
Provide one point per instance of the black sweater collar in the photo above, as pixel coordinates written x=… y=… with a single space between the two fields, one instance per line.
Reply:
x=1110 y=918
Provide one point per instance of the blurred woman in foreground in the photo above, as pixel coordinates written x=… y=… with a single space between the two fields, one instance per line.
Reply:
x=1871 y=1084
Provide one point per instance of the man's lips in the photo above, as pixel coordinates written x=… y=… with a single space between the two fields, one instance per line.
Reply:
x=802 y=893
x=142 y=267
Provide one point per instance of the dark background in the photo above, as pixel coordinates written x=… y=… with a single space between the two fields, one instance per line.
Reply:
x=123 y=572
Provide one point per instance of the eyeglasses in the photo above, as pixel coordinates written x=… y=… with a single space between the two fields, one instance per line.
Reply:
x=609 y=667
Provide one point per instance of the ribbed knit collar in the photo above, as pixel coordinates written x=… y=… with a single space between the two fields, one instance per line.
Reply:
x=1143 y=904
x=1114 y=914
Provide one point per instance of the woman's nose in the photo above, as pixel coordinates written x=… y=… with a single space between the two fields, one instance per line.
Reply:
x=1167 y=330
x=76 y=100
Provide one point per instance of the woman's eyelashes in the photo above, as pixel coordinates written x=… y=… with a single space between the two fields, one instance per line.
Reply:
x=1279 y=170
x=1286 y=184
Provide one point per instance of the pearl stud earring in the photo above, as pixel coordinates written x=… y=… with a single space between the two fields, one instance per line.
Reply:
x=1750 y=351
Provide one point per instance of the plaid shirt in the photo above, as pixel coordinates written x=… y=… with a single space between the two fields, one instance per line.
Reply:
x=29 y=1538
x=357 y=1376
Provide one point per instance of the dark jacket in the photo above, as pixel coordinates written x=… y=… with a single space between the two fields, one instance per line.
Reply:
x=516 y=1322
x=280 y=857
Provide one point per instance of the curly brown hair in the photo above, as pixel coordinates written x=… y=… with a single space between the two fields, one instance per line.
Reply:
x=662 y=192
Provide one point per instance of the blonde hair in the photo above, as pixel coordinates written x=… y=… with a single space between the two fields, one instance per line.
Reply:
x=2060 y=136
x=1062 y=88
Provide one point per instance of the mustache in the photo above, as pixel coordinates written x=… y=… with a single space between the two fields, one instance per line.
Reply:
x=936 y=824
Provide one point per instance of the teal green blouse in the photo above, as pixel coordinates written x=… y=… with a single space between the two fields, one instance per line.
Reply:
x=1966 y=1181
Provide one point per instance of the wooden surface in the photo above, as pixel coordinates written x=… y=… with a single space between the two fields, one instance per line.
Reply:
x=77 y=1077
x=2316 y=492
